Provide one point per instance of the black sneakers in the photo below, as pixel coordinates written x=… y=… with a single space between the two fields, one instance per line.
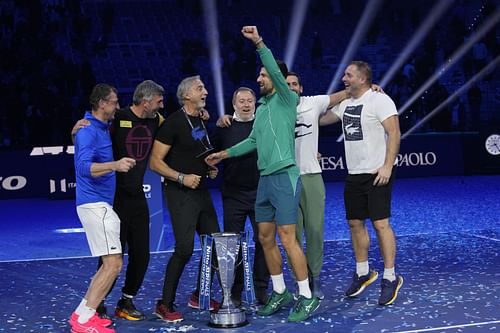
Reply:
x=359 y=283
x=126 y=309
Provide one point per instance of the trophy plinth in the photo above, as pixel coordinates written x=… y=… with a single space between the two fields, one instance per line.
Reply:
x=228 y=315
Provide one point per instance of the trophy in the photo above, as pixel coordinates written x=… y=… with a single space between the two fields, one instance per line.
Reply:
x=227 y=246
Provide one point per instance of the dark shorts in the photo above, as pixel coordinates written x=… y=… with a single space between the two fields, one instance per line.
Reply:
x=362 y=200
x=278 y=197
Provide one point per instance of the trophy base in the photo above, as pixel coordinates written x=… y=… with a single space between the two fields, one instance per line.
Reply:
x=228 y=318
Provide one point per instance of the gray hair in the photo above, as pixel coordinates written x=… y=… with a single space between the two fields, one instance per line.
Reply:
x=146 y=90
x=184 y=86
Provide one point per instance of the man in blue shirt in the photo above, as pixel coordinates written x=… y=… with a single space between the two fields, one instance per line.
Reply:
x=95 y=177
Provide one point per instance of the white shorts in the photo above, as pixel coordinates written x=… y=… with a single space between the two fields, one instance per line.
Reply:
x=102 y=228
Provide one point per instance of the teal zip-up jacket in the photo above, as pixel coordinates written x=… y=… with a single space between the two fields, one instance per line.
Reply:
x=273 y=132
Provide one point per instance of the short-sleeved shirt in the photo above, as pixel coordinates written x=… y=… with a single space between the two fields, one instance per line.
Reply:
x=186 y=143
x=307 y=131
x=133 y=137
x=364 y=135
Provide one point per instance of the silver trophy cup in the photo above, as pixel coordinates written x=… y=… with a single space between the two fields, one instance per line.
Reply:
x=228 y=315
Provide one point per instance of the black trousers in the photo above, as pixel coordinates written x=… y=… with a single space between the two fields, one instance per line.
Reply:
x=237 y=206
x=190 y=211
x=133 y=211
x=134 y=236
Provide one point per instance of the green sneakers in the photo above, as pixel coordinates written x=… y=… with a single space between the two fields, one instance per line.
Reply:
x=303 y=308
x=275 y=303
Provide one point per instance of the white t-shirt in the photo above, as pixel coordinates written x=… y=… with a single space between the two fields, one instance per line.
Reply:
x=364 y=135
x=307 y=132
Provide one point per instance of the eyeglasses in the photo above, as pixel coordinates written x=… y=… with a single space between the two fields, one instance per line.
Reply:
x=114 y=101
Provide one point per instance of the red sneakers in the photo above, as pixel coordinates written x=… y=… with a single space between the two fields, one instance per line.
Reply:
x=194 y=302
x=93 y=325
x=166 y=313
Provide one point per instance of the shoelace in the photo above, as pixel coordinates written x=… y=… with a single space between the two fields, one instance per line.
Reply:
x=298 y=305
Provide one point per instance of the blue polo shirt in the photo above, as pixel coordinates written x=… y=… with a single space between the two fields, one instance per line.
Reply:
x=93 y=145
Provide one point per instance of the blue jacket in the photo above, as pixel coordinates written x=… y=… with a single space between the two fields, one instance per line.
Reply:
x=93 y=145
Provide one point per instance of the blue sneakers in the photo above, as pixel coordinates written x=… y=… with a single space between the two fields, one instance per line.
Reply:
x=359 y=283
x=389 y=291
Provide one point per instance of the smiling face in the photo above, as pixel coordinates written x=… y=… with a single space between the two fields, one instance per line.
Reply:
x=152 y=106
x=244 y=104
x=109 y=106
x=294 y=84
x=265 y=84
x=197 y=95
x=355 y=83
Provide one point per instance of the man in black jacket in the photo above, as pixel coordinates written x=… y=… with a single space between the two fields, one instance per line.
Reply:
x=239 y=188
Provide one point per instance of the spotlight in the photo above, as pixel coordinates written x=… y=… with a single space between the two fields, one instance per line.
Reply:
x=485 y=27
x=210 y=16
x=298 y=16
x=456 y=94
x=422 y=31
x=368 y=14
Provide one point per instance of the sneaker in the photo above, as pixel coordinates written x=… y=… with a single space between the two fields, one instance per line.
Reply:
x=103 y=314
x=92 y=325
x=262 y=296
x=194 y=302
x=125 y=308
x=315 y=286
x=359 y=283
x=167 y=313
x=303 y=308
x=389 y=291
x=102 y=321
x=275 y=303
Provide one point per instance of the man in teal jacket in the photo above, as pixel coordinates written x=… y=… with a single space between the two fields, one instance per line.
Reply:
x=278 y=192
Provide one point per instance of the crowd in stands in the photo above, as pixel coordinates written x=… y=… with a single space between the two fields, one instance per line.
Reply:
x=53 y=51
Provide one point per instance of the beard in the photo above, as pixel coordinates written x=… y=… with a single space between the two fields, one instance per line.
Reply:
x=265 y=90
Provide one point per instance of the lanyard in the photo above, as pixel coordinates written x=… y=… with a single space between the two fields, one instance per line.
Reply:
x=204 y=129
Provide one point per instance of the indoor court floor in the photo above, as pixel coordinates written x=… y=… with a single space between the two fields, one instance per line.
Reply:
x=448 y=237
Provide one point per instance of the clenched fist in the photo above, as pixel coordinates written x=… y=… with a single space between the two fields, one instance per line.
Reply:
x=124 y=164
x=192 y=181
x=250 y=32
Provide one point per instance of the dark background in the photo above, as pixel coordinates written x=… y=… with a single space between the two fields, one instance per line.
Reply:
x=52 y=53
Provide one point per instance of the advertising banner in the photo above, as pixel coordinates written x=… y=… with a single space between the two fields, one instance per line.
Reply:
x=49 y=171
x=419 y=156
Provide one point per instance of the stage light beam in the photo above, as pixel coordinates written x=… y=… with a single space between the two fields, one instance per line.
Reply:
x=421 y=32
x=490 y=67
x=298 y=15
x=490 y=22
x=210 y=16
x=364 y=23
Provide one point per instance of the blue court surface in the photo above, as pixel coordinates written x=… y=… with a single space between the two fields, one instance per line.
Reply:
x=448 y=234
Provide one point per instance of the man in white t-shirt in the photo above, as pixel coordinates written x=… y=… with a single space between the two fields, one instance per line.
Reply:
x=371 y=138
x=311 y=214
